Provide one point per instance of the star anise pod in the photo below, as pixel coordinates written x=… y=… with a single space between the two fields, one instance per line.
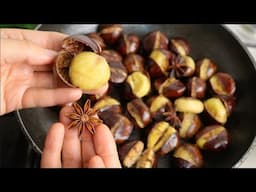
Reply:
x=171 y=116
x=83 y=118
x=177 y=67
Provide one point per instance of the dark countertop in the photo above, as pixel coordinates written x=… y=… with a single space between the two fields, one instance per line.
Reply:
x=15 y=150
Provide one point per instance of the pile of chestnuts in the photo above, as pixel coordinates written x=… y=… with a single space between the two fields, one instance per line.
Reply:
x=160 y=100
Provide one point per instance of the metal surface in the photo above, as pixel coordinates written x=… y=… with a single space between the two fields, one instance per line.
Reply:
x=211 y=41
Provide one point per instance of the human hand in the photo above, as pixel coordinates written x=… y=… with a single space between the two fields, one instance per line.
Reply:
x=26 y=71
x=63 y=148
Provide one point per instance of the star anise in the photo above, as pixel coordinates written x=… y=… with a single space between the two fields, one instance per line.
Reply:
x=171 y=116
x=177 y=67
x=83 y=118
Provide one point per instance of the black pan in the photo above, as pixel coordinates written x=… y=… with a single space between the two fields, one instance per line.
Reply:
x=212 y=41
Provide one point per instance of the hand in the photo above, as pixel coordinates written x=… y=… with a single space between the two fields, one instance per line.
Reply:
x=63 y=147
x=26 y=70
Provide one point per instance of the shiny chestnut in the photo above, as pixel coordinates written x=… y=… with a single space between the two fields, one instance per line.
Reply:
x=128 y=43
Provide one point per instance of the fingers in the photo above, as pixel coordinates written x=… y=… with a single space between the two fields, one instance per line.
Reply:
x=43 y=80
x=41 y=97
x=88 y=150
x=44 y=39
x=96 y=162
x=51 y=157
x=105 y=146
x=16 y=51
x=71 y=153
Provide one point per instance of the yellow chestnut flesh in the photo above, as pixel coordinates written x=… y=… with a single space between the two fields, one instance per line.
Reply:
x=89 y=71
x=189 y=105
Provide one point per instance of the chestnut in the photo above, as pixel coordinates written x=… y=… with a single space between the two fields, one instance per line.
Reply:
x=229 y=102
x=223 y=84
x=96 y=37
x=172 y=88
x=147 y=159
x=188 y=156
x=190 y=124
x=179 y=46
x=189 y=105
x=120 y=126
x=139 y=112
x=158 y=106
x=111 y=55
x=110 y=32
x=158 y=62
x=158 y=82
x=137 y=85
x=182 y=66
x=216 y=109
x=163 y=138
x=108 y=104
x=213 y=138
x=118 y=72
x=128 y=44
x=155 y=40
x=130 y=152
x=134 y=62
x=196 y=87
x=205 y=68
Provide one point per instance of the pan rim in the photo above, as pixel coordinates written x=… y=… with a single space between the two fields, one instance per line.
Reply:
x=238 y=164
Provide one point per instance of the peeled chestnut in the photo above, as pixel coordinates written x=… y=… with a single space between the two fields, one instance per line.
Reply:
x=155 y=40
x=216 y=109
x=188 y=156
x=213 y=138
x=196 y=87
x=120 y=126
x=96 y=37
x=128 y=44
x=172 y=88
x=158 y=106
x=223 y=84
x=159 y=62
x=188 y=105
x=140 y=113
x=147 y=159
x=110 y=32
x=205 y=68
x=137 y=85
x=190 y=124
x=179 y=46
x=134 y=62
x=163 y=138
x=130 y=152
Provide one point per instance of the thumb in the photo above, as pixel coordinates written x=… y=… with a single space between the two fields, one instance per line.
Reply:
x=18 y=51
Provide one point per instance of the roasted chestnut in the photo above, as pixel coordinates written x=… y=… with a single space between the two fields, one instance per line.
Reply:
x=188 y=105
x=190 y=124
x=213 y=138
x=134 y=62
x=179 y=46
x=110 y=32
x=223 y=84
x=205 y=68
x=96 y=37
x=130 y=152
x=108 y=104
x=155 y=40
x=172 y=88
x=128 y=44
x=159 y=62
x=139 y=112
x=158 y=106
x=163 y=138
x=188 y=156
x=196 y=87
x=111 y=55
x=147 y=159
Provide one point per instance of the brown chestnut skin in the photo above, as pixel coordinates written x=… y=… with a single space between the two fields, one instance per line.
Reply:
x=172 y=88
x=96 y=37
x=196 y=87
x=157 y=106
x=147 y=159
x=108 y=104
x=128 y=44
x=179 y=46
x=190 y=124
x=229 y=103
x=155 y=40
x=111 y=55
x=139 y=112
x=213 y=138
x=188 y=156
x=120 y=126
x=205 y=68
x=130 y=152
x=223 y=84
x=134 y=62
x=158 y=62
x=111 y=33
x=158 y=82
x=118 y=72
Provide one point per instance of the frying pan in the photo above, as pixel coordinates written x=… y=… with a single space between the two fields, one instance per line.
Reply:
x=213 y=41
